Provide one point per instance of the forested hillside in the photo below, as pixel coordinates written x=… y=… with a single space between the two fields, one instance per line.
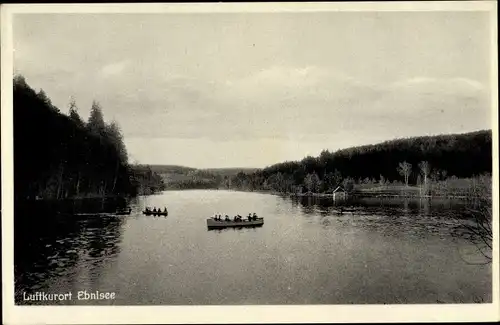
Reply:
x=146 y=179
x=410 y=161
x=58 y=156
x=179 y=177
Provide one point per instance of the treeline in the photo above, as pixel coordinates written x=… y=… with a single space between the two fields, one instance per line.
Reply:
x=195 y=184
x=145 y=180
x=192 y=179
x=411 y=161
x=58 y=156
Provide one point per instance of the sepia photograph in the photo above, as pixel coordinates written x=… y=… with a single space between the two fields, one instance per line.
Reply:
x=234 y=156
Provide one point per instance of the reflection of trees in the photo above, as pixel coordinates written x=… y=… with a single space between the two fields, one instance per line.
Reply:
x=406 y=205
x=98 y=243
x=314 y=204
x=52 y=248
x=101 y=236
x=476 y=222
x=425 y=206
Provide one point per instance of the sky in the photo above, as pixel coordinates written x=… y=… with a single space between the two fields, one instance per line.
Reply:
x=212 y=90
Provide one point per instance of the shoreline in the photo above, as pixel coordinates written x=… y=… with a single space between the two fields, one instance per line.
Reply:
x=357 y=195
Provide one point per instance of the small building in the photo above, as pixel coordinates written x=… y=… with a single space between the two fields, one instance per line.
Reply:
x=339 y=193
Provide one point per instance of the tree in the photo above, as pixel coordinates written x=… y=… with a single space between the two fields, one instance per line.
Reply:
x=477 y=227
x=328 y=182
x=381 y=180
x=114 y=135
x=337 y=177
x=404 y=170
x=425 y=170
x=20 y=82
x=96 y=123
x=312 y=182
x=73 y=113
x=46 y=100
x=348 y=184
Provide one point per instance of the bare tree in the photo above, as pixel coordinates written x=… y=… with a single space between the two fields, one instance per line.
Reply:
x=404 y=170
x=425 y=170
x=476 y=223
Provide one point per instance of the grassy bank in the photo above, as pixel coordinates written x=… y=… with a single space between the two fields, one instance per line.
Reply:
x=453 y=188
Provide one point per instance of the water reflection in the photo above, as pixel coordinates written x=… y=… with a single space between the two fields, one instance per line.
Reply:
x=390 y=216
x=47 y=247
x=239 y=229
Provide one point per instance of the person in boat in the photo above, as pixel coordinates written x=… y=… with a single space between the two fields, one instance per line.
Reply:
x=154 y=209
x=249 y=217
x=227 y=218
x=165 y=210
x=254 y=217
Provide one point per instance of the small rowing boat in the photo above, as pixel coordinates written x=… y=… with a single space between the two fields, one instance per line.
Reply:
x=94 y=214
x=152 y=213
x=212 y=223
x=123 y=212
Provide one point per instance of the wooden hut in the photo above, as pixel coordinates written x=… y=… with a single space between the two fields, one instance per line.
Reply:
x=339 y=193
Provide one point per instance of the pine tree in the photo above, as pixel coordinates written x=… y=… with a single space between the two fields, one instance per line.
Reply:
x=73 y=113
x=46 y=100
x=114 y=135
x=96 y=123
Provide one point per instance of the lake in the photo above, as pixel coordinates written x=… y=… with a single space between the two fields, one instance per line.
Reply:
x=385 y=251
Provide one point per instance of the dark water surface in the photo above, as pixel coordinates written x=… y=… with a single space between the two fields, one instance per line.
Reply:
x=384 y=251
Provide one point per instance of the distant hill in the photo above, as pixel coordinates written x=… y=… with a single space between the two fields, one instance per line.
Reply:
x=165 y=169
x=182 y=177
x=230 y=171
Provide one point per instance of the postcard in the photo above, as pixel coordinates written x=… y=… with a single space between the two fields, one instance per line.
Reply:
x=250 y=163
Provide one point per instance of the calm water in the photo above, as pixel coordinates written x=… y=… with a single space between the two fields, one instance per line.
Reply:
x=386 y=251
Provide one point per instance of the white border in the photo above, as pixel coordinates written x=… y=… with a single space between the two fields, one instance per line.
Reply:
x=231 y=314
x=254 y=7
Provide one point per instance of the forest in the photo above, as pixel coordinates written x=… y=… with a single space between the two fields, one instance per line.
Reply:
x=179 y=178
x=58 y=156
x=455 y=160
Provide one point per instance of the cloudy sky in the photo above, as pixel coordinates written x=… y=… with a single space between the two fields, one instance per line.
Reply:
x=253 y=89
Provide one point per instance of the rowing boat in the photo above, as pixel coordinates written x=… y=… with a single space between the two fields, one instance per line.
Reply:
x=123 y=212
x=105 y=214
x=212 y=223
x=151 y=213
